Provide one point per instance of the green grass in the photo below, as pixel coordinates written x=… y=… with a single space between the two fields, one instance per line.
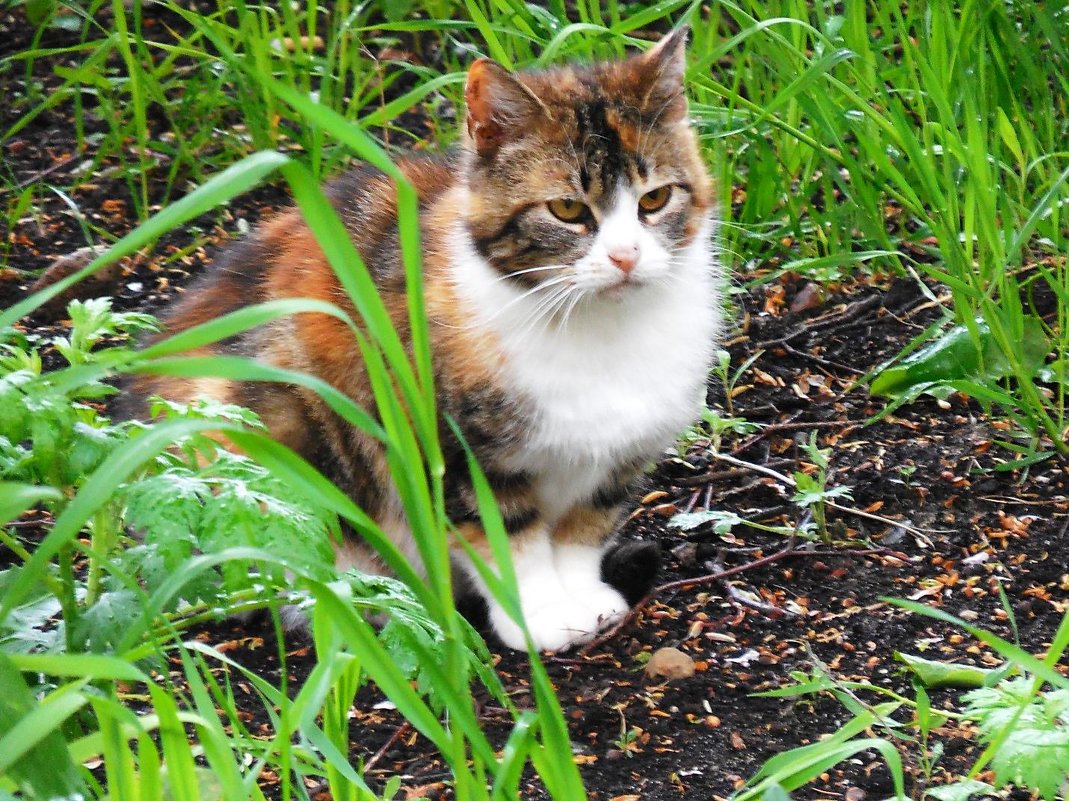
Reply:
x=866 y=139
x=928 y=141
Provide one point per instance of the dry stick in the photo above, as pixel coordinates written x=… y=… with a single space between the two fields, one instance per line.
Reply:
x=708 y=478
x=775 y=428
x=741 y=599
x=37 y=176
x=820 y=360
x=851 y=312
x=402 y=730
x=711 y=578
x=790 y=482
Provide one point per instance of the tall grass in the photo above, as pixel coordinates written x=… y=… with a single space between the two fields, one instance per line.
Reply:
x=925 y=140
x=348 y=646
x=928 y=138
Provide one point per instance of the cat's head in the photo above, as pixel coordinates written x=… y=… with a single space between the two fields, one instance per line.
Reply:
x=585 y=176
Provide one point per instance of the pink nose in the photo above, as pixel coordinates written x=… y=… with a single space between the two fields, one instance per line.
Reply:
x=625 y=257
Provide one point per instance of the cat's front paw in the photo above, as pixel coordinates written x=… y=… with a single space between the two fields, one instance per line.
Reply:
x=572 y=621
x=561 y=623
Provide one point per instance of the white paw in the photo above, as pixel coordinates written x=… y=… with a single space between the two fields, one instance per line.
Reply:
x=572 y=621
x=561 y=622
x=608 y=605
x=505 y=628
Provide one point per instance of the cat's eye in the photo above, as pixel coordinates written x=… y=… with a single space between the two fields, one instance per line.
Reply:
x=567 y=210
x=655 y=199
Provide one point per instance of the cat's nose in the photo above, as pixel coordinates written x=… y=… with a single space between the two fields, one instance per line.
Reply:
x=624 y=257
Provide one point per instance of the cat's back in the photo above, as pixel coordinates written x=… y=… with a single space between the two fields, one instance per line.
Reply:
x=281 y=259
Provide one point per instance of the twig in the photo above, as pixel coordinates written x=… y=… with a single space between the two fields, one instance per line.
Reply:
x=915 y=530
x=787 y=551
x=402 y=730
x=689 y=507
x=37 y=176
x=742 y=599
x=757 y=468
x=706 y=478
x=774 y=428
x=820 y=360
x=790 y=482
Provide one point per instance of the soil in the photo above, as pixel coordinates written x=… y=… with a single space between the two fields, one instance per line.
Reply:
x=933 y=517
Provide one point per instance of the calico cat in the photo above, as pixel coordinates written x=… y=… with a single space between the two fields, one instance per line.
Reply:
x=572 y=291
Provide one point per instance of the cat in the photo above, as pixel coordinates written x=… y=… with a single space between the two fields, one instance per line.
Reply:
x=572 y=292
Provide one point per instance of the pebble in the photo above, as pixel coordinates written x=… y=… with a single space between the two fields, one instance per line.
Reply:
x=670 y=663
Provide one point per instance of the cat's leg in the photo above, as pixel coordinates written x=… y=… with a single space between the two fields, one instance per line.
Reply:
x=580 y=541
x=554 y=618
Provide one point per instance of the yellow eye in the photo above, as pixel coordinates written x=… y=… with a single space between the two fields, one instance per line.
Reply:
x=655 y=199
x=567 y=210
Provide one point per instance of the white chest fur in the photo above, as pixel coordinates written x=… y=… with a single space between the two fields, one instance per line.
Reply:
x=615 y=383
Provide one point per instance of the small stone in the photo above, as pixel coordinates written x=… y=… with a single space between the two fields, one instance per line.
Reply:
x=670 y=663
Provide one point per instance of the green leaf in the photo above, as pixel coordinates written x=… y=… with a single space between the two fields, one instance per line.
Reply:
x=958 y=355
x=944 y=674
x=38 y=11
x=102 y=626
x=32 y=749
x=961 y=790
x=776 y=793
x=17 y=498
x=723 y=521
x=1032 y=732
x=31 y=626
x=811 y=491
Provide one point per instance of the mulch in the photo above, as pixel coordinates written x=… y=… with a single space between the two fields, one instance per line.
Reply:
x=945 y=526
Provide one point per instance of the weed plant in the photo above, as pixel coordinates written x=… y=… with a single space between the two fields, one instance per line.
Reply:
x=1020 y=710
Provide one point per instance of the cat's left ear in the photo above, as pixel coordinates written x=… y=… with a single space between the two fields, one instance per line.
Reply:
x=500 y=107
x=660 y=72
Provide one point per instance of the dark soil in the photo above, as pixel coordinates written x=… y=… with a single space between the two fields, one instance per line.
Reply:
x=942 y=525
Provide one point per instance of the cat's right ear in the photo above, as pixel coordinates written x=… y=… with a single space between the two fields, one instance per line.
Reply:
x=499 y=107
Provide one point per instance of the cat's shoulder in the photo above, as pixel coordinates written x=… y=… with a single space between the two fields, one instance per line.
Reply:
x=364 y=186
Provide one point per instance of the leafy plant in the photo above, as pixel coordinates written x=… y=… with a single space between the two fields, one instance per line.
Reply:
x=730 y=378
x=52 y=437
x=1023 y=726
x=811 y=488
x=1032 y=732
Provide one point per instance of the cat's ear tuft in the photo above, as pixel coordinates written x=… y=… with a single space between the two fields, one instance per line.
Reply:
x=499 y=106
x=661 y=70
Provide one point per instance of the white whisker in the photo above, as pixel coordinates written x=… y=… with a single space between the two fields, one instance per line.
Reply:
x=546 y=268
x=552 y=282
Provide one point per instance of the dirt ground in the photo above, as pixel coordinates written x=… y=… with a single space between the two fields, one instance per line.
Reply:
x=931 y=518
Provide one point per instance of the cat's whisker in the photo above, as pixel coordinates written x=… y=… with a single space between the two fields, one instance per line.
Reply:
x=548 y=310
x=482 y=322
x=577 y=299
x=529 y=270
x=539 y=303
x=544 y=311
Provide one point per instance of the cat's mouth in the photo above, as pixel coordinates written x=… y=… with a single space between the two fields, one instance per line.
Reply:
x=621 y=289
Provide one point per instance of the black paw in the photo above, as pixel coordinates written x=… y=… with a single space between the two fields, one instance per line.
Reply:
x=632 y=568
